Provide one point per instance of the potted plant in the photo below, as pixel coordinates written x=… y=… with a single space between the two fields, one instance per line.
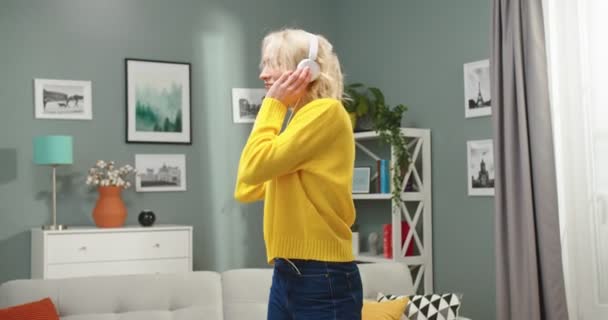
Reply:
x=359 y=106
x=387 y=123
x=370 y=112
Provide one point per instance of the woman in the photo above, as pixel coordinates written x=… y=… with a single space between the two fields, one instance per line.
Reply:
x=304 y=174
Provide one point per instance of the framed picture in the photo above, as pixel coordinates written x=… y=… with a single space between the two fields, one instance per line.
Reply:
x=62 y=99
x=480 y=163
x=158 y=102
x=361 y=179
x=246 y=104
x=477 y=100
x=160 y=172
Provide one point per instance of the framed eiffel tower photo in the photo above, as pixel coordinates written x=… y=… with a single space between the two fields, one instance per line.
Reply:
x=477 y=100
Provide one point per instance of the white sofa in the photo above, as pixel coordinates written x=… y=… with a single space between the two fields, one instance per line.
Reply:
x=202 y=295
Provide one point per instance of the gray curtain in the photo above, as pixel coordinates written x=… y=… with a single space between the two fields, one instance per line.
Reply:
x=529 y=276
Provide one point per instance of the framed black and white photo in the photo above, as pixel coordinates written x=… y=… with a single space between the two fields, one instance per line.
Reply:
x=246 y=104
x=160 y=172
x=480 y=164
x=62 y=99
x=361 y=179
x=158 y=102
x=477 y=100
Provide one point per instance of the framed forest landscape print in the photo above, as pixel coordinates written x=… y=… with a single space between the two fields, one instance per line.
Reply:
x=158 y=102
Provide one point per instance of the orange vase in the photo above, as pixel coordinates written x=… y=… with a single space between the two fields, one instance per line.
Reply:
x=110 y=210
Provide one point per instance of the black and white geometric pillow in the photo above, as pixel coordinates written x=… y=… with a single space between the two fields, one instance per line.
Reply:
x=389 y=297
x=429 y=307
x=433 y=307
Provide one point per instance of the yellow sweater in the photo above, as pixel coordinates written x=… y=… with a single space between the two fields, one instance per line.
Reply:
x=304 y=174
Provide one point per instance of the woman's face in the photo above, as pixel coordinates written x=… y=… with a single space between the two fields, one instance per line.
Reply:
x=269 y=74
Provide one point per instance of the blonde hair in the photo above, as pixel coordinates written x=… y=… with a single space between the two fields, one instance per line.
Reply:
x=283 y=49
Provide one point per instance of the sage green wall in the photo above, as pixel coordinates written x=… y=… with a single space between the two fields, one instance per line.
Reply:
x=414 y=50
x=88 y=40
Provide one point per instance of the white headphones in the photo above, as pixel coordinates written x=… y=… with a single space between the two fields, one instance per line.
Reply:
x=313 y=66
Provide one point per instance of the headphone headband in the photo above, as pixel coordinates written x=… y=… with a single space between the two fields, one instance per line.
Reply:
x=313 y=47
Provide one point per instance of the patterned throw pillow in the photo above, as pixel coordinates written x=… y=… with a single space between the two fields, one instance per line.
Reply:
x=429 y=307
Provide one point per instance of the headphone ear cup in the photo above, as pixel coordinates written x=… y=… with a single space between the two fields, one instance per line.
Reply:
x=313 y=66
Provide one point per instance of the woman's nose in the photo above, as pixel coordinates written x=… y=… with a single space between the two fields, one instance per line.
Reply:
x=264 y=75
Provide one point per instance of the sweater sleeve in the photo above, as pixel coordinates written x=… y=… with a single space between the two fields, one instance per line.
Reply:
x=249 y=193
x=268 y=154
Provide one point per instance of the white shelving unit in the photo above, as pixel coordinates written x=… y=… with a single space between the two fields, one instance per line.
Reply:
x=420 y=219
x=372 y=196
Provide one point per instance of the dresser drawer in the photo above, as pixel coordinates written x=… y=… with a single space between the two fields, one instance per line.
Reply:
x=113 y=246
x=111 y=268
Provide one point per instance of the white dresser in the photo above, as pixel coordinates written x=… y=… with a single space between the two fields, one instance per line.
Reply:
x=89 y=251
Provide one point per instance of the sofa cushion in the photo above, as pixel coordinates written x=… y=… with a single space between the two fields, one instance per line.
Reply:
x=246 y=293
x=390 y=277
x=196 y=295
x=40 y=310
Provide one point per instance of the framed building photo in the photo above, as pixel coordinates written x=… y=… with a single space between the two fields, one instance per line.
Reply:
x=158 y=102
x=477 y=100
x=62 y=99
x=361 y=179
x=480 y=164
x=246 y=104
x=160 y=172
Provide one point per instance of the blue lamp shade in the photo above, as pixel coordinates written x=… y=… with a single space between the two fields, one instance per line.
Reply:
x=53 y=150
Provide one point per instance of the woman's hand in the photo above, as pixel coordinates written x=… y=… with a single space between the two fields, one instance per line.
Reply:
x=290 y=86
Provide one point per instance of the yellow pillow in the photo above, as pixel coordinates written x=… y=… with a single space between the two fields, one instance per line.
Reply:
x=386 y=310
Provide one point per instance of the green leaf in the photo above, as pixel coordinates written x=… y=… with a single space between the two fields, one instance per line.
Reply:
x=362 y=106
x=377 y=95
x=350 y=100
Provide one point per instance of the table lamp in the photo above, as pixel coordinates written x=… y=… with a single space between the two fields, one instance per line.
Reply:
x=53 y=151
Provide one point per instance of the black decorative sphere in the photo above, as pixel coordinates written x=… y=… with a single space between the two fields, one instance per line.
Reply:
x=146 y=218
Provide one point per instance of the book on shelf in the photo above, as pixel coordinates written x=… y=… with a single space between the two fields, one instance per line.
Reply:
x=378 y=177
x=385 y=176
x=388 y=239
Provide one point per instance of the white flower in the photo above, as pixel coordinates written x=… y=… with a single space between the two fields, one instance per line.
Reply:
x=106 y=173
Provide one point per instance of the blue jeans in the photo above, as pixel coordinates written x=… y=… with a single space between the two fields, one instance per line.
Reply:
x=305 y=289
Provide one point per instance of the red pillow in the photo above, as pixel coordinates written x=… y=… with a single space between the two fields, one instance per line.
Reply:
x=37 y=310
